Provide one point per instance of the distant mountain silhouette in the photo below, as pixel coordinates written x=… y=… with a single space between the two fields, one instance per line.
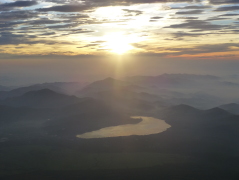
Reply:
x=216 y=113
x=64 y=87
x=4 y=88
x=162 y=104
x=180 y=112
x=183 y=108
x=126 y=100
x=201 y=91
x=187 y=114
x=60 y=87
x=165 y=80
x=104 y=85
x=232 y=108
x=230 y=84
x=44 y=98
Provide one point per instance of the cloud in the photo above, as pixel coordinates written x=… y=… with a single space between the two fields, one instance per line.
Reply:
x=196 y=33
x=205 y=48
x=8 y=38
x=48 y=34
x=197 y=24
x=44 y=21
x=17 y=15
x=71 y=25
x=120 y=2
x=94 y=44
x=132 y=12
x=217 y=18
x=193 y=7
x=138 y=45
x=75 y=6
x=73 y=16
x=10 y=24
x=181 y=34
x=187 y=17
x=156 y=17
x=66 y=8
x=190 y=12
x=8 y=6
x=216 y=2
x=20 y=4
x=229 y=15
x=79 y=31
x=227 y=8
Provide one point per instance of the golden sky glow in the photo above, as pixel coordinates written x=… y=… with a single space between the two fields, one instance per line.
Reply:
x=93 y=27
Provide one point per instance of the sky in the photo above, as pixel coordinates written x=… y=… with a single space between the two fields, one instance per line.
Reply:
x=73 y=40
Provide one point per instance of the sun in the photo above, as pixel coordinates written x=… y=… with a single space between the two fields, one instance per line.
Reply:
x=119 y=46
x=118 y=43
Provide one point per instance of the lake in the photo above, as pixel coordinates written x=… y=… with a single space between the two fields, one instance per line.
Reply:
x=148 y=125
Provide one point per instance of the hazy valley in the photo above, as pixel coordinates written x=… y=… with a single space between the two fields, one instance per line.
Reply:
x=42 y=128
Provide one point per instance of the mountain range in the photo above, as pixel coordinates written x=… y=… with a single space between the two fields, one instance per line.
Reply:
x=60 y=87
x=55 y=111
x=232 y=108
x=44 y=98
x=38 y=128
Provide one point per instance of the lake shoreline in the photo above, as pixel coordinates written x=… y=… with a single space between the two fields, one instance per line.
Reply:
x=148 y=125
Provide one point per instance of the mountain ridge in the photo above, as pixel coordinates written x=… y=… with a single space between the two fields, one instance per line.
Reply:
x=44 y=98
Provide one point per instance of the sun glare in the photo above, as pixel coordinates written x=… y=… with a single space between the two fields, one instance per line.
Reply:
x=119 y=46
x=119 y=43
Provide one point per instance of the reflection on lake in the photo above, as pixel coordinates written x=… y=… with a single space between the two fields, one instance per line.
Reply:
x=148 y=125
